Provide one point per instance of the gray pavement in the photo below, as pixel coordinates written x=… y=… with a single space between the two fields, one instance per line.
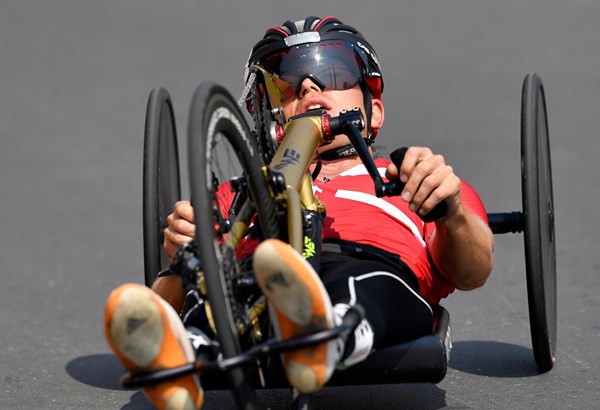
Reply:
x=74 y=79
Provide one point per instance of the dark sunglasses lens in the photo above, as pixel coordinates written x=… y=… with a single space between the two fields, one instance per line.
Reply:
x=335 y=64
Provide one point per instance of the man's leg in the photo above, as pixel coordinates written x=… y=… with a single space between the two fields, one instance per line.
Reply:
x=298 y=304
x=146 y=334
x=169 y=288
x=395 y=312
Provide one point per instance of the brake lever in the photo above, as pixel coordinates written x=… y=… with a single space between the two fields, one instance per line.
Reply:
x=396 y=187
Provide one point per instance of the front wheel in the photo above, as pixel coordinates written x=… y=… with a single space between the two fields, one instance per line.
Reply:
x=230 y=198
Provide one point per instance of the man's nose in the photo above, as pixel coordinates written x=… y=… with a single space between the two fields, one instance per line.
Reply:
x=306 y=86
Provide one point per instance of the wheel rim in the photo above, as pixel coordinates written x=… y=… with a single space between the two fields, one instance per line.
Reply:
x=538 y=216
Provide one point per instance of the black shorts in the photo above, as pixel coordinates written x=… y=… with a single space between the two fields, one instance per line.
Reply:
x=383 y=285
x=380 y=282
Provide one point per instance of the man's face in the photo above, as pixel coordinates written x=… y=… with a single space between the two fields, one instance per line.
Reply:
x=311 y=96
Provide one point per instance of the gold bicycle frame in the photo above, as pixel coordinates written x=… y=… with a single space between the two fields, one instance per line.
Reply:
x=292 y=158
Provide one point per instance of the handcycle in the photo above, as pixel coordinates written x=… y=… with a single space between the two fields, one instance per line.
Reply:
x=273 y=198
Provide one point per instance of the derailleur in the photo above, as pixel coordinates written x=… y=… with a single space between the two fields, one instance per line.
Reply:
x=188 y=267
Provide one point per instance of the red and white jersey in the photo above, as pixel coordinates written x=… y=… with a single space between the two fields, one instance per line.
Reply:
x=355 y=214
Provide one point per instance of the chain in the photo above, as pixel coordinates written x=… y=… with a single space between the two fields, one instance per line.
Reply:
x=247 y=88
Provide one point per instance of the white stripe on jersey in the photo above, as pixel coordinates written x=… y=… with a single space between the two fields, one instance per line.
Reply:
x=360 y=170
x=384 y=206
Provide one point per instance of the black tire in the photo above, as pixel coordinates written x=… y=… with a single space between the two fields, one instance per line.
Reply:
x=161 y=181
x=538 y=218
x=217 y=123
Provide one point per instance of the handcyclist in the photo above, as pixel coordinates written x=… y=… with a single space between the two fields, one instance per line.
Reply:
x=377 y=252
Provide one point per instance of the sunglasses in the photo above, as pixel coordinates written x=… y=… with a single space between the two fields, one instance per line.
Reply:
x=333 y=65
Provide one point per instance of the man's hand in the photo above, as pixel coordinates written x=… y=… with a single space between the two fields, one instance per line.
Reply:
x=461 y=245
x=180 y=229
x=429 y=181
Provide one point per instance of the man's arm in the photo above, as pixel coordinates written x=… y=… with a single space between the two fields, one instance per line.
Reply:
x=461 y=247
x=462 y=244
x=179 y=231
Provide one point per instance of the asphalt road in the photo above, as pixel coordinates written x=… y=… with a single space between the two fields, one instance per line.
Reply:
x=74 y=79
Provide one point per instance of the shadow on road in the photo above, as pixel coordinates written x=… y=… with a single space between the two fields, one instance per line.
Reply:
x=99 y=370
x=104 y=370
x=482 y=358
x=494 y=359
x=422 y=396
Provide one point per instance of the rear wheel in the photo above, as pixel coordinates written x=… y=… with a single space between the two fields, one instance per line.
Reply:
x=538 y=216
x=224 y=158
x=161 y=184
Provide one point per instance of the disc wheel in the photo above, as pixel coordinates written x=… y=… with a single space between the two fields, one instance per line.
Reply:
x=221 y=148
x=161 y=181
x=538 y=218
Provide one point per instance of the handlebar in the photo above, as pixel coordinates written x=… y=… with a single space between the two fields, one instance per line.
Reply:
x=351 y=123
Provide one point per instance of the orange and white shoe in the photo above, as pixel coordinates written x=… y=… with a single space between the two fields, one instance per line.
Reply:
x=299 y=304
x=146 y=334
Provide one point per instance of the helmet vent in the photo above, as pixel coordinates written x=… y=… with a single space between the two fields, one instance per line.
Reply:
x=302 y=38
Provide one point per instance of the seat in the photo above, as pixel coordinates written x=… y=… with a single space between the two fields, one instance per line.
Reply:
x=423 y=360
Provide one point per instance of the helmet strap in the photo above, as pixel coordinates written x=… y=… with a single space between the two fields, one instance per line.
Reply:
x=368 y=104
x=341 y=152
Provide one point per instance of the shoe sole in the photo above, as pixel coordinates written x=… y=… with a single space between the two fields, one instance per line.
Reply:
x=301 y=305
x=146 y=334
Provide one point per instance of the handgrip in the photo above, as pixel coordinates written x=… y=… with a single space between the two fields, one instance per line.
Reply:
x=395 y=187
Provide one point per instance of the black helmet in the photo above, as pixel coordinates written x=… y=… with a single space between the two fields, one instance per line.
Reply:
x=334 y=55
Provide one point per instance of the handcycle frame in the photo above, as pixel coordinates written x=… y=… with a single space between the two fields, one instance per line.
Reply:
x=425 y=359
